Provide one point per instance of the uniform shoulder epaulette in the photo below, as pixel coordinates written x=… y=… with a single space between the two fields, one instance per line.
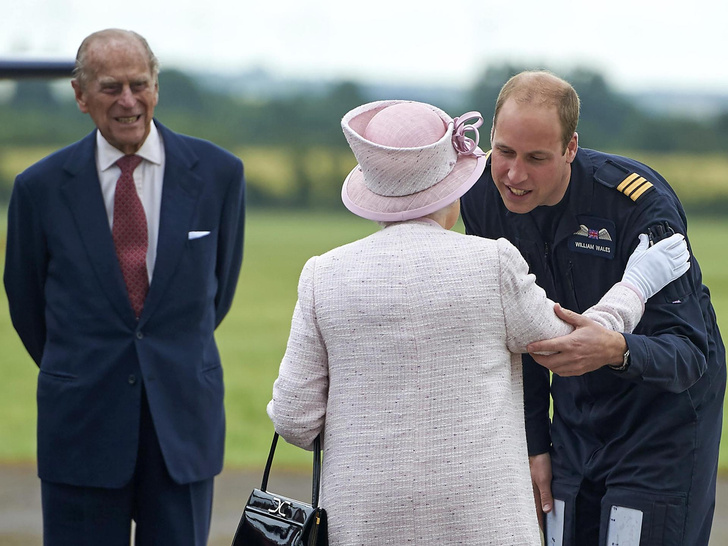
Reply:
x=631 y=184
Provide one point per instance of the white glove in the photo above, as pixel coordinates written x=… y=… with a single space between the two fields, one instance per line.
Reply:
x=651 y=268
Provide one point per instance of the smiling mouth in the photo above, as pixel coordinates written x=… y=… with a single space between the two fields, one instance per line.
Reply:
x=518 y=193
x=128 y=119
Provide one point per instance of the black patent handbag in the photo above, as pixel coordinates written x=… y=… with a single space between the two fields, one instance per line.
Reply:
x=270 y=519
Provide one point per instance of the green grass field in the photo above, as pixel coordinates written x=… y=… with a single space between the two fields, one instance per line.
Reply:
x=253 y=337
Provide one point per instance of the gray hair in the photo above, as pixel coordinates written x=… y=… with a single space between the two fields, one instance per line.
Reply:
x=82 y=73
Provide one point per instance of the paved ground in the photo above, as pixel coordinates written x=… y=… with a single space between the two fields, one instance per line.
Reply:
x=20 y=512
x=20 y=517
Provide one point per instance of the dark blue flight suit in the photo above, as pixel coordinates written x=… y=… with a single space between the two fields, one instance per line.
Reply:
x=645 y=438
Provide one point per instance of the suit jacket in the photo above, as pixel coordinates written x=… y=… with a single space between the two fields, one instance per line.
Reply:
x=405 y=352
x=69 y=305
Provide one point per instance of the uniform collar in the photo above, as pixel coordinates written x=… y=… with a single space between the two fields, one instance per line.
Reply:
x=582 y=190
x=579 y=196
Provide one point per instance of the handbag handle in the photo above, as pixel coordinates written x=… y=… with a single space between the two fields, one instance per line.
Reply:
x=316 y=481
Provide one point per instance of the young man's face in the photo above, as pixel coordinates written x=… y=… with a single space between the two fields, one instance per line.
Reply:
x=529 y=165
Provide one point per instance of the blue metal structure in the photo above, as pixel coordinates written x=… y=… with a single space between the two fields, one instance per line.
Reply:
x=25 y=68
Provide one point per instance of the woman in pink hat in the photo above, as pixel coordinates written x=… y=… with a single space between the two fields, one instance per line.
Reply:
x=404 y=351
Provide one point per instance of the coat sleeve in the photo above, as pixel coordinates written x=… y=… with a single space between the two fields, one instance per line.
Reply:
x=230 y=252
x=530 y=314
x=620 y=310
x=678 y=338
x=26 y=269
x=530 y=317
x=300 y=393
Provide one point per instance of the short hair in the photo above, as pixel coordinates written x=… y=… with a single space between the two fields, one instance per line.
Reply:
x=547 y=89
x=81 y=72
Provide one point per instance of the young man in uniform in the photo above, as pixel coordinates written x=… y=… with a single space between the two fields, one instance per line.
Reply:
x=631 y=455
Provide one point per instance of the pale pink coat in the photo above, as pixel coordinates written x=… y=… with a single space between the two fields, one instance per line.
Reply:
x=406 y=346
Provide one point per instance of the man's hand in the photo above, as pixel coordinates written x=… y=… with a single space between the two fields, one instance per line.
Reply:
x=541 y=481
x=588 y=348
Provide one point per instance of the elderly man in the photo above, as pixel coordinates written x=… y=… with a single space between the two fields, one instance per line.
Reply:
x=123 y=255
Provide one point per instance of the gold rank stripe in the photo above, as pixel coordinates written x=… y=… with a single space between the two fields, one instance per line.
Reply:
x=634 y=186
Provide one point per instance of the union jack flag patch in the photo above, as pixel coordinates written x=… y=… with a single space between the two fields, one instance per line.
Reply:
x=594 y=236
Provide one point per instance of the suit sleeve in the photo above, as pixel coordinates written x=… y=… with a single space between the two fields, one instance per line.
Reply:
x=230 y=252
x=26 y=270
x=300 y=393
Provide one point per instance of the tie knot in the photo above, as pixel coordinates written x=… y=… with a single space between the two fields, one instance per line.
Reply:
x=128 y=163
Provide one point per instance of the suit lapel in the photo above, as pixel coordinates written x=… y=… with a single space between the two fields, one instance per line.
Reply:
x=180 y=193
x=81 y=190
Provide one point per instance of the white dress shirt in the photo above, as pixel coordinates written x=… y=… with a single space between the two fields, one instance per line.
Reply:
x=148 y=178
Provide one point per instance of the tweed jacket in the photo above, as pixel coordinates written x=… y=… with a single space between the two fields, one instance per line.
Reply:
x=404 y=351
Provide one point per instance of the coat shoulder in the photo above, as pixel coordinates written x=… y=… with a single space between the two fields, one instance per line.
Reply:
x=190 y=146
x=54 y=161
x=633 y=179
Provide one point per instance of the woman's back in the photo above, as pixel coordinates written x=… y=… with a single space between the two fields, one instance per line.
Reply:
x=424 y=439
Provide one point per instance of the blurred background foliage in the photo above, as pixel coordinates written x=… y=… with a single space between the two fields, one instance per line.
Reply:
x=296 y=156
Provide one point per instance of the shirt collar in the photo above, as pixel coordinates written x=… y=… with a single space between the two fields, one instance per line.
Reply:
x=151 y=150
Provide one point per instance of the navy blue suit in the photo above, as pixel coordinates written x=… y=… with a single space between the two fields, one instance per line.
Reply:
x=70 y=307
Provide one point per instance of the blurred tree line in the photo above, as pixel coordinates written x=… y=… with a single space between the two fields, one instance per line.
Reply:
x=296 y=125
x=610 y=121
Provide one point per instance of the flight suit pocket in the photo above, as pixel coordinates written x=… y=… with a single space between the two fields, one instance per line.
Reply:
x=644 y=518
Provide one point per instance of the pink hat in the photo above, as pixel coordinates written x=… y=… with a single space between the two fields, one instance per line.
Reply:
x=413 y=158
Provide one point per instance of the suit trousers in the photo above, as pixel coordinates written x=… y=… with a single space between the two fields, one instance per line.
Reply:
x=165 y=513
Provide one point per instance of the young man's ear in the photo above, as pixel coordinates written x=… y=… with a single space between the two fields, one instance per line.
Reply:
x=572 y=147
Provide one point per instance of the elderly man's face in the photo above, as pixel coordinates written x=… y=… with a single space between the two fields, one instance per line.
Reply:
x=121 y=93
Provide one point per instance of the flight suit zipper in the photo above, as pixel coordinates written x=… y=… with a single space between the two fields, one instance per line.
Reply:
x=572 y=285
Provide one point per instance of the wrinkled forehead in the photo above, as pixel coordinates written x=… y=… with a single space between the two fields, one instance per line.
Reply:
x=107 y=58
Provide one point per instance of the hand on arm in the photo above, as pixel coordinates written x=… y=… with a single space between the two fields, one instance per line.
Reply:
x=651 y=268
x=589 y=347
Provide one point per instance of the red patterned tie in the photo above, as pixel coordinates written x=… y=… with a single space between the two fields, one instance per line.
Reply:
x=130 y=233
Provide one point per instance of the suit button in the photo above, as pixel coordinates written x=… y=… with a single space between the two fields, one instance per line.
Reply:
x=139 y=335
x=132 y=379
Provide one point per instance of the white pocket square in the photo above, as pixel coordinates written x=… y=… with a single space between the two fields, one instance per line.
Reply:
x=197 y=234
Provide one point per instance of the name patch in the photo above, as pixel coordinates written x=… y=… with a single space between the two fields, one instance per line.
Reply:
x=595 y=236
